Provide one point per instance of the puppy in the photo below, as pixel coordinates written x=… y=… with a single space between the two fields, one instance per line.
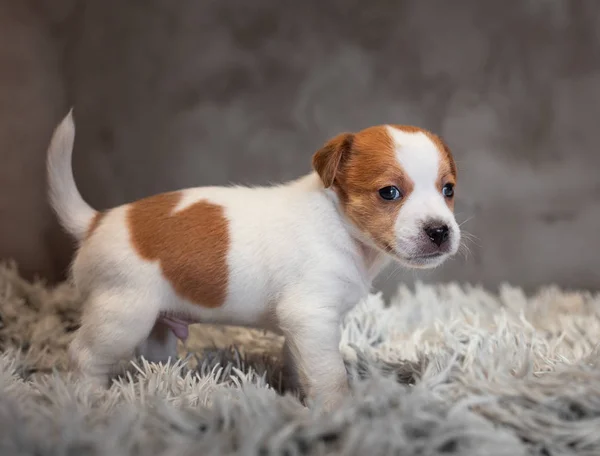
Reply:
x=291 y=258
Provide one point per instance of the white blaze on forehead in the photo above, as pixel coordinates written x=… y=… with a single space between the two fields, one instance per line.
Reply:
x=420 y=159
x=418 y=155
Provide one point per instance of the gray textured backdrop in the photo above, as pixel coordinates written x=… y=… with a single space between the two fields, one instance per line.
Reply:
x=170 y=94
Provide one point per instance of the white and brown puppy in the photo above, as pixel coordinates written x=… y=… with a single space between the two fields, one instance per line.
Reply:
x=291 y=258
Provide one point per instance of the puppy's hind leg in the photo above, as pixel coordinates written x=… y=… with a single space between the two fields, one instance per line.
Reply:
x=114 y=323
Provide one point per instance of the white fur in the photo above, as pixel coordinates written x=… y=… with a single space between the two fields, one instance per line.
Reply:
x=420 y=159
x=294 y=267
x=73 y=212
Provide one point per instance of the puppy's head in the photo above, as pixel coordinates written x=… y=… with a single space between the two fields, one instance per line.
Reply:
x=396 y=186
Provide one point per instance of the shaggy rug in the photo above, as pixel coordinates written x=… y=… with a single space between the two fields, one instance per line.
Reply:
x=441 y=370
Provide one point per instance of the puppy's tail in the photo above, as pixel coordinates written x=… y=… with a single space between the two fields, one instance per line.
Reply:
x=74 y=214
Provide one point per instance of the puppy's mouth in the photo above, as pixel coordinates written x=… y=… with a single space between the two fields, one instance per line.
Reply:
x=425 y=260
x=420 y=260
x=427 y=256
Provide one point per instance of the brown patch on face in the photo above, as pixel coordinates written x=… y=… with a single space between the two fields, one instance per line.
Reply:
x=94 y=223
x=191 y=245
x=447 y=172
x=364 y=163
x=448 y=164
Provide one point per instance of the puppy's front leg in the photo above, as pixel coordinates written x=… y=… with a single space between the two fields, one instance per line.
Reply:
x=312 y=347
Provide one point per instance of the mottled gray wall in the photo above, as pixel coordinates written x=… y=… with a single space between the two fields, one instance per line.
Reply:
x=173 y=94
x=32 y=99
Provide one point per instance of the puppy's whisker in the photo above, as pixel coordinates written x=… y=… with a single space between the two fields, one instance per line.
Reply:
x=467 y=233
x=394 y=271
x=465 y=221
x=464 y=251
x=468 y=237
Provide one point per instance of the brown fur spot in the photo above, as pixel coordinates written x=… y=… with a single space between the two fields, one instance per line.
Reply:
x=191 y=245
x=368 y=164
x=447 y=172
x=448 y=164
x=94 y=223
x=328 y=160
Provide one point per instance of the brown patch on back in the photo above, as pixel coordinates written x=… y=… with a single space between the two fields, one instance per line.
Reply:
x=94 y=223
x=191 y=245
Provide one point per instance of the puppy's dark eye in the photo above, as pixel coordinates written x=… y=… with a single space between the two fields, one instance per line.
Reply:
x=390 y=193
x=448 y=190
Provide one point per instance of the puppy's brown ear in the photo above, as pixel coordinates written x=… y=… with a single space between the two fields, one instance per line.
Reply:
x=328 y=160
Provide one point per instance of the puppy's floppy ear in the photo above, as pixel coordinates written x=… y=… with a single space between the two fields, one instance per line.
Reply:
x=328 y=160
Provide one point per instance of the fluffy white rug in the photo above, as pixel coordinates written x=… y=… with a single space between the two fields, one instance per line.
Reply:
x=442 y=370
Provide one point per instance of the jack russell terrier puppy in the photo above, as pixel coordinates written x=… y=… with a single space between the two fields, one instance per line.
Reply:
x=291 y=258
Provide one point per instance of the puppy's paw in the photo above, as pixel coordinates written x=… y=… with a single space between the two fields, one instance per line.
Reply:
x=83 y=370
x=331 y=399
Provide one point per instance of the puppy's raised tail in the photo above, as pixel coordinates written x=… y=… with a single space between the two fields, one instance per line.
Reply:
x=74 y=214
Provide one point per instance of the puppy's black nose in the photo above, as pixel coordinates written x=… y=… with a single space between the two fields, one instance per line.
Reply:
x=437 y=233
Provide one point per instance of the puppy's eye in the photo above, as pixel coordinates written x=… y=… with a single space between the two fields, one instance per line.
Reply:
x=448 y=190
x=390 y=193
